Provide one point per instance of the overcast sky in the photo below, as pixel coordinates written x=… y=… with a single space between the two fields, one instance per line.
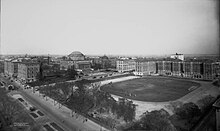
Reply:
x=124 y=27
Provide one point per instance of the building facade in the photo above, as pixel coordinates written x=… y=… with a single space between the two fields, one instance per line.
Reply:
x=76 y=55
x=82 y=65
x=9 y=67
x=2 y=66
x=144 y=67
x=177 y=68
x=177 y=56
x=125 y=65
x=28 y=71
x=66 y=64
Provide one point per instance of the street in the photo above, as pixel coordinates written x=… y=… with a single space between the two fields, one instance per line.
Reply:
x=57 y=115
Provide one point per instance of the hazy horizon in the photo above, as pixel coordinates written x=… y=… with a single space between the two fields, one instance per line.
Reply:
x=100 y=27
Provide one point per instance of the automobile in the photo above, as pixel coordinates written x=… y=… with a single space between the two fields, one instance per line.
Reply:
x=32 y=108
x=20 y=99
x=1 y=84
x=10 y=87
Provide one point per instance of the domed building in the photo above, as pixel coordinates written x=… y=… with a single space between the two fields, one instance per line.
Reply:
x=76 y=55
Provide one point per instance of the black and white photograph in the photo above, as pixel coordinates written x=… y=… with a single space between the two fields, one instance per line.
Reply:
x=109 y=65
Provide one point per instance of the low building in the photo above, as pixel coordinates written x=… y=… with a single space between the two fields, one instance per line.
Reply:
x=82 y=65
x=177 y=56
x=28 y=71
x=66 y=64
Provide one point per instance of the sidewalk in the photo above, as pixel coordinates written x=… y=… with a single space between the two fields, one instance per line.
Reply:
x=68 y=114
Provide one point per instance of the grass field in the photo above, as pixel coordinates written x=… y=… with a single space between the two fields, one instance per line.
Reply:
x=152 y=89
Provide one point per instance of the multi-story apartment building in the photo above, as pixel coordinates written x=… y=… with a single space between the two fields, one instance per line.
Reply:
x=208 y=71
x=125 y=65
x=187 y=66
x=216 y=70
x=145 y=67
x=15 y=65
x=28 y=71
x=177 y=68
x=9 y=67
x=103 y=62
x=168 y=68
x=160 y=69
x=1 y=66
x=113 y=62
x=197 y=70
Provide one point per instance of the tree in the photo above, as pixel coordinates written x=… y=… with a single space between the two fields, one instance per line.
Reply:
x=188 y=111
x=71 y=73
x=205 y=102
x=155 y=121
x=8 y=108
x=40 y=74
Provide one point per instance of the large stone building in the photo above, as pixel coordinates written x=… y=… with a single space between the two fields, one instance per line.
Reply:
x=160 y=69
x=76 y=55
x=76 y=60
x=177 y=68
x=28 y=72
x=125 y=65
x=145 y=67
x=195 y=69
x=11 y=67
x=66 y=64
x=1 y=66
x=82 y=65
x=103 y=62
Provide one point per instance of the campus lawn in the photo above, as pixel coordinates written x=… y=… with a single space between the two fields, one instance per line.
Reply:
x=152 y=89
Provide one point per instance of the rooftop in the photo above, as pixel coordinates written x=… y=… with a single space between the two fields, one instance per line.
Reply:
x=76 y=54
x=217 y=103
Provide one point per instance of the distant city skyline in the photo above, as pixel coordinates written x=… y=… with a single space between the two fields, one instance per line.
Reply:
x=125 y=27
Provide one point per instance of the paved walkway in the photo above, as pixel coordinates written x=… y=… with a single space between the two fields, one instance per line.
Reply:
x=66 y=113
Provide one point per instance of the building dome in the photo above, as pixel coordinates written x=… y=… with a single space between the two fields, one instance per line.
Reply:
x=104 y=57
x=76 y=55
